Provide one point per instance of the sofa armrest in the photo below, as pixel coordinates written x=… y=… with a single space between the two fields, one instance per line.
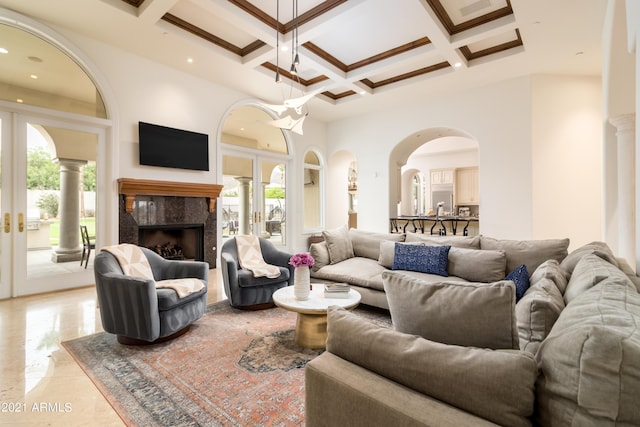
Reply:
x=275 y=256
x=497 y=385
x=338 y=392
x=174 y=269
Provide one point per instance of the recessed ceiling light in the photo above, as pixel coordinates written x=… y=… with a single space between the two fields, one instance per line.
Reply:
x=190 y=60
x=457 y=65
x=580 y=53
x=34 y=77
x=19 y=101
x=34 y=59
x=3 y=50
x=284 y=48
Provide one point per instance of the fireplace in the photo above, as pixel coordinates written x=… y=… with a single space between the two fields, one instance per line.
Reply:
x=178 y=219
x=178 y=241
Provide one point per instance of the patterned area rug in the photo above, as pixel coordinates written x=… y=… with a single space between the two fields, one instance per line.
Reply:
x=233 y=368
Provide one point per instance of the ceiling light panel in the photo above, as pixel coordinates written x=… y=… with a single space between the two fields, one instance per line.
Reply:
x=371 y=28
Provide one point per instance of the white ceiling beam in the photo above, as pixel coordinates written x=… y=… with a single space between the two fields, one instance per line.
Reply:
x=152 y=11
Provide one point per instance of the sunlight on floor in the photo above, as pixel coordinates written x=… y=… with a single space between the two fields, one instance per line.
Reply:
x=40 y=383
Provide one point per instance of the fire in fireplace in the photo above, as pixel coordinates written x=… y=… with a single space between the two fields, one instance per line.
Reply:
x=174 y=241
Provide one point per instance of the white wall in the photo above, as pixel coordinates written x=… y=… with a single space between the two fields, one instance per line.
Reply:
x=143 y=90
x=497 y=116
x=501 y=118
x=567 y=158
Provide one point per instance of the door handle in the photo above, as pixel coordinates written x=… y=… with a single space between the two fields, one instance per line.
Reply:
x=21 y=222
x=7 y=222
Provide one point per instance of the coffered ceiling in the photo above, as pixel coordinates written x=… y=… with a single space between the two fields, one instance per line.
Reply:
x=356 y=55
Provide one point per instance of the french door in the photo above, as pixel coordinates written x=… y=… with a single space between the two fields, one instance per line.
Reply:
x=254 y=199
x=40 y=240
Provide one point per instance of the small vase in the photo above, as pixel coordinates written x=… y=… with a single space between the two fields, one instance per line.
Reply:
x=301 y=283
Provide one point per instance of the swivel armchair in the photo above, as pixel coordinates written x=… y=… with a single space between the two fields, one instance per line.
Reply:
x=243 y=289
x=139 y=313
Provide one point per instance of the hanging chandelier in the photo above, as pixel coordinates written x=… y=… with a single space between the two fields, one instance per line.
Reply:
x=294 y=107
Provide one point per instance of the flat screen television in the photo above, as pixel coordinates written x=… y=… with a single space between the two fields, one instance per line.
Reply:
x=173 y=148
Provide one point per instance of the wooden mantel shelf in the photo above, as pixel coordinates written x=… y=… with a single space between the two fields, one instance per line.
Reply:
x=144 y=187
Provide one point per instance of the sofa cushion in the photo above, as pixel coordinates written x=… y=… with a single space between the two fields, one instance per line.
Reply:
x=357 y=271
x=338 y=244
x=476 y=265
x=550 y=269
x=520 y=278
x=320 y=253
x=537 y=312
x=531 y=253
x=468 y=314
x=425 y=259
x=589 y=271
x=496 y=385
x=600 y=249
x=469 y=242
x=367 y=243
x=589 y=372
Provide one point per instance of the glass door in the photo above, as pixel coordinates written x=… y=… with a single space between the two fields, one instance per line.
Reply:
x=254 y=197
x=6 y=258
x=51 y=193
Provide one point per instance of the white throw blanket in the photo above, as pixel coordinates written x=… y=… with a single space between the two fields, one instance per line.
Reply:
x=134 y=263
x=250 y=257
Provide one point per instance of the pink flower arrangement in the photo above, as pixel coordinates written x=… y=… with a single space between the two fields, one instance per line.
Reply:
x=302 y=260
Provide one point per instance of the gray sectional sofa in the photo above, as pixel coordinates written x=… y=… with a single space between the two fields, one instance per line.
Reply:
x=465 y=353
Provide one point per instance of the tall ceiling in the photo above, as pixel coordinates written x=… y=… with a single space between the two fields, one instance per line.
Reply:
x=356 y=55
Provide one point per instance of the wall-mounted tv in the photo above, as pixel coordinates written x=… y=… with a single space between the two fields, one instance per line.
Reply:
x=173 y=148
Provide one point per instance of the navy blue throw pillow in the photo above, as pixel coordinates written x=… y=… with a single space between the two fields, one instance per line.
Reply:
x=519 y=276
x=425 y=259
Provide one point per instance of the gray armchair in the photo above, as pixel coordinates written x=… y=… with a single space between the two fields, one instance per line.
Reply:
x=138 y=313
x=253 y=293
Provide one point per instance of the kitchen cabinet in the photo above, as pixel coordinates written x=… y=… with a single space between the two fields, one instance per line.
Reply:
x=467 y=192
x=442 y=176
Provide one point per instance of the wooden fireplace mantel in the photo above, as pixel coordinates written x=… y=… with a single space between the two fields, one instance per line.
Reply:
x=144 y=187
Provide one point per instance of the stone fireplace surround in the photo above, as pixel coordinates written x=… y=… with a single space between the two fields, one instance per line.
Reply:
x=164 y=203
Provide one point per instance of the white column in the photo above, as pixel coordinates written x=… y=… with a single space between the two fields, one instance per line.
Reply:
x=69 y=248
x=244 y=213
x=625 y=144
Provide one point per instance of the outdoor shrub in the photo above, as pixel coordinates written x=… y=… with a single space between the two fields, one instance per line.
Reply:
x=48 y=203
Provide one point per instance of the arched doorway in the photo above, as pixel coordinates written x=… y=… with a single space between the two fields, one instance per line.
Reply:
x=255 y=165
x=60 y=104
x=435 y=168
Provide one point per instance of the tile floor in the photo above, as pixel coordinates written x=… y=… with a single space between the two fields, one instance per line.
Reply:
x=40 y=383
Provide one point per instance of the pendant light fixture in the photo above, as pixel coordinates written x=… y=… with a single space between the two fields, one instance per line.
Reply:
x=290 y=122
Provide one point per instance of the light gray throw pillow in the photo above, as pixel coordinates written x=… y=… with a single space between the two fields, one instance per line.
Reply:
x=550 y=269
x=477 y=265
x=338 y=244
x=531 y=253
x=589 y=271
x=367 y=243
x=537 y=312
x=496 y=385
x=460 y=313
x=600 y=249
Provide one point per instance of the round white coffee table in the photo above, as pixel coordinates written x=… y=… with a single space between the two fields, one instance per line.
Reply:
x=311 y=326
